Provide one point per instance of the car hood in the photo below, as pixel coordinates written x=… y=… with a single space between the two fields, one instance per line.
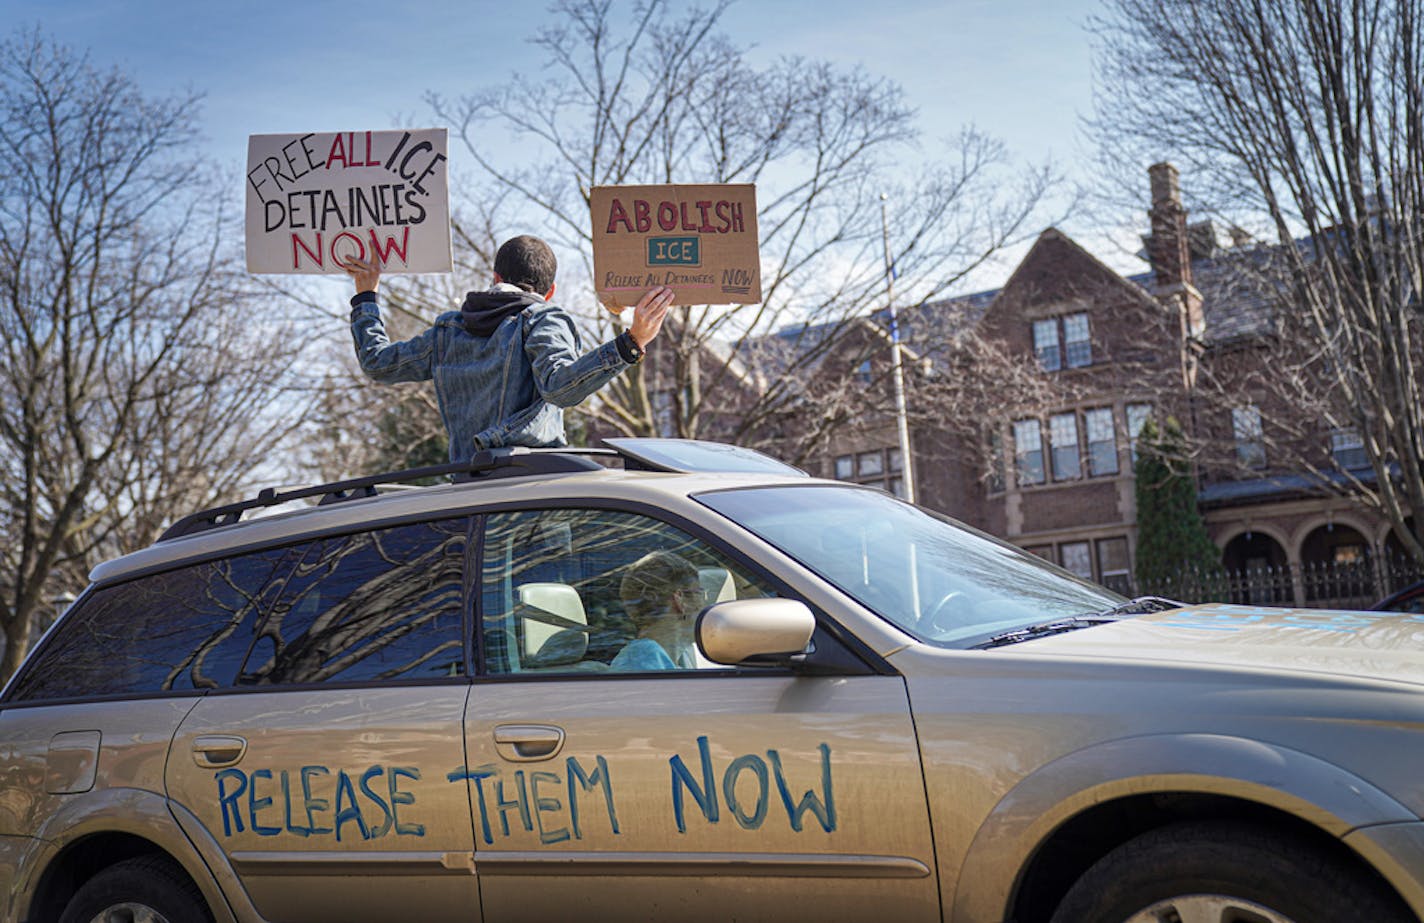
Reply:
x=1375 y=645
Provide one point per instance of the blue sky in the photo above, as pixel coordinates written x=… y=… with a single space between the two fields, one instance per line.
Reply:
x=1018 y=69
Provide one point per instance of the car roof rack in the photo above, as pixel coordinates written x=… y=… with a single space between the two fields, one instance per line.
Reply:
x=507 y=461
x=635 y=454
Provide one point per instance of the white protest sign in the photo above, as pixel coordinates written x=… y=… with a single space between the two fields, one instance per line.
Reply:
x=316 y=199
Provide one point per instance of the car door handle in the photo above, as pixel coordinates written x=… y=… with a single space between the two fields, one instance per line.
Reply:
x=525 y=743
x=217 y=752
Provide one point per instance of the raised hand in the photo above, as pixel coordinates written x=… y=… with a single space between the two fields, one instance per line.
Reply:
x=366 y=275
x=648 y=315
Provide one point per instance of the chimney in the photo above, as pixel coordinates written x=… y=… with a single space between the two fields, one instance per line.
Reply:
x=1167 y=249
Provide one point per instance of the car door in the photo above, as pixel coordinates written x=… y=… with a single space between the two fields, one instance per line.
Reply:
x=660 y=785
x=324 y=774
x=86 y=726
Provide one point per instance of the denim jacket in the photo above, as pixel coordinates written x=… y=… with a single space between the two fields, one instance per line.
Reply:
x=509 y=388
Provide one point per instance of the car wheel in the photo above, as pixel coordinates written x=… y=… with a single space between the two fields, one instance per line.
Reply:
x=1223 y=873
x=149 y=889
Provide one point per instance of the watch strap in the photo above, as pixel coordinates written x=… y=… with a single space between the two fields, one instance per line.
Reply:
x=628 y=348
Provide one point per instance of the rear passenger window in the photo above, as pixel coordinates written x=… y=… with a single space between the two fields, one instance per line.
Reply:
x=184 y=630
x=377 y=606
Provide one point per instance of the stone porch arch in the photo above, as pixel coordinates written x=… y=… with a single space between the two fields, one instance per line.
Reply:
x=1339 y=564
x=1258 y=567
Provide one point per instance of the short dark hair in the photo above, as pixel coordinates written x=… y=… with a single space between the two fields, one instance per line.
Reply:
x=528 y=263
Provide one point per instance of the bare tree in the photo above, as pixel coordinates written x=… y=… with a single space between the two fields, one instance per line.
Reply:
x=655 y=97
x=1308 y=117
x=360 y=427
x=137 y=378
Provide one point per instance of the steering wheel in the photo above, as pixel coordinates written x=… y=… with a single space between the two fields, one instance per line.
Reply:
x=929 y=623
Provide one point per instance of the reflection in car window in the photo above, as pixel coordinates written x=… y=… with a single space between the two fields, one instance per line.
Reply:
x=181 y=630
x=376 y=606
x=595 y=590
x=941 y=581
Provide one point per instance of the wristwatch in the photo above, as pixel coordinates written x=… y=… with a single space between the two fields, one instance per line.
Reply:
x=629 y=349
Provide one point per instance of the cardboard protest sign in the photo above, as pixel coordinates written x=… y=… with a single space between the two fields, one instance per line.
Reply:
x=316 y=199
x=699 y=240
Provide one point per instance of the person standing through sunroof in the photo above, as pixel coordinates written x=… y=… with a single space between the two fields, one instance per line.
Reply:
x=509 y=361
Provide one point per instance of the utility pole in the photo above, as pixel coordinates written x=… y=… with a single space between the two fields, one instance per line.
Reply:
x=907 y=466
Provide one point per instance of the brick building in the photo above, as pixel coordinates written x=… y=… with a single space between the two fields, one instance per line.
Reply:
x=1050 y=467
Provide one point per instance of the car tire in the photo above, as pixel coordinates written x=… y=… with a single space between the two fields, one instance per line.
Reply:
x=1224 y=873
x=148 y=889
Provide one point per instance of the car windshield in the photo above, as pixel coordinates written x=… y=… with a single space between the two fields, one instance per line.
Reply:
x=941 y=581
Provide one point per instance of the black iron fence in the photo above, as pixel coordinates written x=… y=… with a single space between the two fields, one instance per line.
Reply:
x=1312 y=584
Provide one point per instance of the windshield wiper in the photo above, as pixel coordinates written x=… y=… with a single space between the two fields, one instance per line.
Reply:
x=1138 y=606
x=1057 y=626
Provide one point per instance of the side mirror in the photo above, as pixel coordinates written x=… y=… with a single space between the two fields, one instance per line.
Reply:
x=741 y=629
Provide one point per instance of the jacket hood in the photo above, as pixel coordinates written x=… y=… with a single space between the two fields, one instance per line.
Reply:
x=1364 y=645
x=483 y=312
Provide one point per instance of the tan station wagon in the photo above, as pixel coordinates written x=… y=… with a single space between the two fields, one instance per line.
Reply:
x=680 y=681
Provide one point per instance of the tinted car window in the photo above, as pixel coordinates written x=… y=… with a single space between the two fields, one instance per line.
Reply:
x=187 y=629
x=376 y=606
x=595 y=590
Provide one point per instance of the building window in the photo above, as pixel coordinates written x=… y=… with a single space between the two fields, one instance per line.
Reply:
x=1028 y=452
x=1042 y=551
x=1063 y=342
x=1137 y=417
x=1045 y=344
x=1250 y=440
x=1077 y=346
x=1102 y=443
x=1348 y=449
x=878 y=468
x=1063 y=437
x=1114 y=569
x=1077 y=559
x=1348 y=554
